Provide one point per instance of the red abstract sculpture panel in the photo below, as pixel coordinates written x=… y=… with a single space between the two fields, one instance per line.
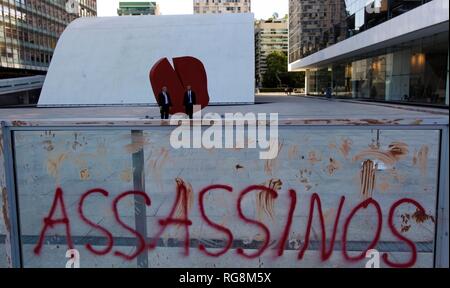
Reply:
x=186 y=71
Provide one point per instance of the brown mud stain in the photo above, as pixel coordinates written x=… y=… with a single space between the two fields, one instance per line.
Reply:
x=313 y=158
x=271 y=164
x=264 y=200
x=186 y=199
x=421 y=217
x=54 y=164
x=84 y=174
x=396 y=151
x=328 y=216
x=383 y=187
x=367 y=176
x=156 y=165
x=405 y=226
x=126 y=175
x=396 y=175
x=268 y=167
x=293 y=151
x=101 y=148
x=333 y=166
x=137 y=144
x=332 y=146
x=420 y=159
x=345 y=147
x=304 y=180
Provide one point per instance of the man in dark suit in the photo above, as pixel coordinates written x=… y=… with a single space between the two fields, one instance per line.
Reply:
x=190 y=99
x=164 y=103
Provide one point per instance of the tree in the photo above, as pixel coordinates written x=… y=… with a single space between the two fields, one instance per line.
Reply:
x=276 y=64
x=277 y=74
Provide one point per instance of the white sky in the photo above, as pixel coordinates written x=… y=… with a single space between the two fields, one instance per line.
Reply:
x=262 y=8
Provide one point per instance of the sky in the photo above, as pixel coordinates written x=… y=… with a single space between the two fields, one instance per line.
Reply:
x=263 y=9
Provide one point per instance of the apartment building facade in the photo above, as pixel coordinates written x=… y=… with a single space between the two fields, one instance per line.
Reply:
x=222 y=6
x=270 y=36
x=29 y=31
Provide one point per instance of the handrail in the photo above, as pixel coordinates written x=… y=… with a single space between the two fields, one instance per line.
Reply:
x=13 y=85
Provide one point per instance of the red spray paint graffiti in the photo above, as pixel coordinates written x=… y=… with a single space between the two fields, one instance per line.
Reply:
x=182 y=197
x=104 y=231
x=263 y=227
x=315 y=198
x=51 y=221
x=372 y=245
x=285 y=235
x=139 y=237
x=397 y=234
x=224 y=230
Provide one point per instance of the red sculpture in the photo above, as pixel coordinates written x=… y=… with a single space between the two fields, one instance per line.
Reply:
x=186 y=71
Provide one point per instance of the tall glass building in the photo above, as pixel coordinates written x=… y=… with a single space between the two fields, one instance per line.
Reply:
x=29 y=30
x=382 y=50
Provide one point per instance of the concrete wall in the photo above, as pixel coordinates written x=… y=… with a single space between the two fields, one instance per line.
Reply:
x=106 y=61
x=330 y=163
x=5 y=253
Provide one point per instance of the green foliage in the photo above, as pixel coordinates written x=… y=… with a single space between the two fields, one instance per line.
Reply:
x=277 y=75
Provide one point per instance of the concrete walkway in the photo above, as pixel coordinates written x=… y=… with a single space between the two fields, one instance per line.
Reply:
x=288 y=107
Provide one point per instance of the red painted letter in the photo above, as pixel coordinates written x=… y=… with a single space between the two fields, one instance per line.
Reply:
x=170 y=220
x=285 y=235
x=374 y=243
x=397 y=234
x=140 y=238
x=108 y=234
x=226 y=231
x=315 y=198
x=250 y=221
x=50 y=222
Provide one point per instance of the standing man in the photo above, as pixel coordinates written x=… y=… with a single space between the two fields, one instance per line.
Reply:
x=329 y=92
x=164 y=103
x=190 y=100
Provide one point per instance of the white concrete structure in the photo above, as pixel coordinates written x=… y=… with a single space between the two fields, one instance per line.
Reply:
x=106 y=61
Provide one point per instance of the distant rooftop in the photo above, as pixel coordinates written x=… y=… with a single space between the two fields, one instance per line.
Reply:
x=136 y=4
x=137 y=8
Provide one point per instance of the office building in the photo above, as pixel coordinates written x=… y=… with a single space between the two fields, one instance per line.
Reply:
x=87 y=8
x=221 y=6
x=29 y=31
x=384 y=50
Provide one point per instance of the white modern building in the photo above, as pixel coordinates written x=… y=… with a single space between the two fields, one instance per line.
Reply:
x=382 y=50
x=107 y=60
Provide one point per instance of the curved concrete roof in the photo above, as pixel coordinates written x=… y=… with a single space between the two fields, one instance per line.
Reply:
x=106 y=61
